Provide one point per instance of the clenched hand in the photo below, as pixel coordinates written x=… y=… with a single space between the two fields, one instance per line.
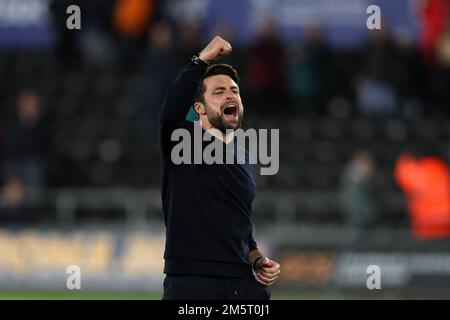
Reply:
x=216 y=49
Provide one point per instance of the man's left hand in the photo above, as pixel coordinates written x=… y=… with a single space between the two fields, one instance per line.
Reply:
x=267 y=271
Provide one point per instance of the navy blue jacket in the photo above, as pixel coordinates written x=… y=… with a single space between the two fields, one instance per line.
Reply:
x=207 y=208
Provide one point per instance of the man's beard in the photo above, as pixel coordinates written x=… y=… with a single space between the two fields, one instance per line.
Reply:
x=217 y=121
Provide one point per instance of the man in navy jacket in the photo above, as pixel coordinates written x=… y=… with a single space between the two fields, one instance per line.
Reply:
x=210 y=252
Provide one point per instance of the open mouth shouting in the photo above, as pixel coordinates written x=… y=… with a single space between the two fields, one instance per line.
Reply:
x=230 y=112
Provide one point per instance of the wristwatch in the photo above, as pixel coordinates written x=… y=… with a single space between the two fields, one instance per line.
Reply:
x=254 y=264
x=196 y=59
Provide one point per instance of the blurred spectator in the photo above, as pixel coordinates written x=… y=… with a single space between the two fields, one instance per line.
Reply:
x=67 y=46
x=357 y=192
x=434 y=16
x=161 y=63
x=266 y=69
x=237 y=59
x=190 y=39
x=131 y=20
x=132 y=17
x=96 y=36
x=443 y=73
x=375 y=92
x=409 y=76
x=443 y=48
x=308 y=70
x=27 y=142
x=92 y=43
x=425 y=180
x=13 y=199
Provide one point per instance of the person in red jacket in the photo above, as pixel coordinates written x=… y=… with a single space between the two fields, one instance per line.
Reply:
x=434 y=15
x=425 y=181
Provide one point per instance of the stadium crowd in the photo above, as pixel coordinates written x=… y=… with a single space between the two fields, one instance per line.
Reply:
x=85 y=114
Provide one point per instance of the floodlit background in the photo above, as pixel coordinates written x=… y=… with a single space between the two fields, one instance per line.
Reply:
x=364 y=141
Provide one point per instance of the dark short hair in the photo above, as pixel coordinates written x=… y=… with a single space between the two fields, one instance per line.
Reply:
x=214 y=70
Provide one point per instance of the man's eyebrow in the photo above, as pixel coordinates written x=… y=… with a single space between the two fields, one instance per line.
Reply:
x=224 y=88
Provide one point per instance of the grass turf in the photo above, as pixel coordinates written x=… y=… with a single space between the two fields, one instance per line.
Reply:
x=77 y=295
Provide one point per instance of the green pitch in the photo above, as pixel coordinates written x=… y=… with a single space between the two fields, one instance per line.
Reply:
x=112 y=296
x=77 y=296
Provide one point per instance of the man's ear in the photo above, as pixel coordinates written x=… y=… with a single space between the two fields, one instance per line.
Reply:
x=199 y=108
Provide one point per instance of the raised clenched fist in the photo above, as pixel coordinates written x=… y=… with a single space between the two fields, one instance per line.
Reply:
x=216 y=49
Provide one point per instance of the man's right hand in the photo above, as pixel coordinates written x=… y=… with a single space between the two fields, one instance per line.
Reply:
x=216 y=49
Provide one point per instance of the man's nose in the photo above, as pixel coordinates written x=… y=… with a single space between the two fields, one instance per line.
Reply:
x=229 y=95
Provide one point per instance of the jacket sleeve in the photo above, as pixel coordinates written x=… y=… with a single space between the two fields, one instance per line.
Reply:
x=252 y=245
x=180 y=95
x=178 y=99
